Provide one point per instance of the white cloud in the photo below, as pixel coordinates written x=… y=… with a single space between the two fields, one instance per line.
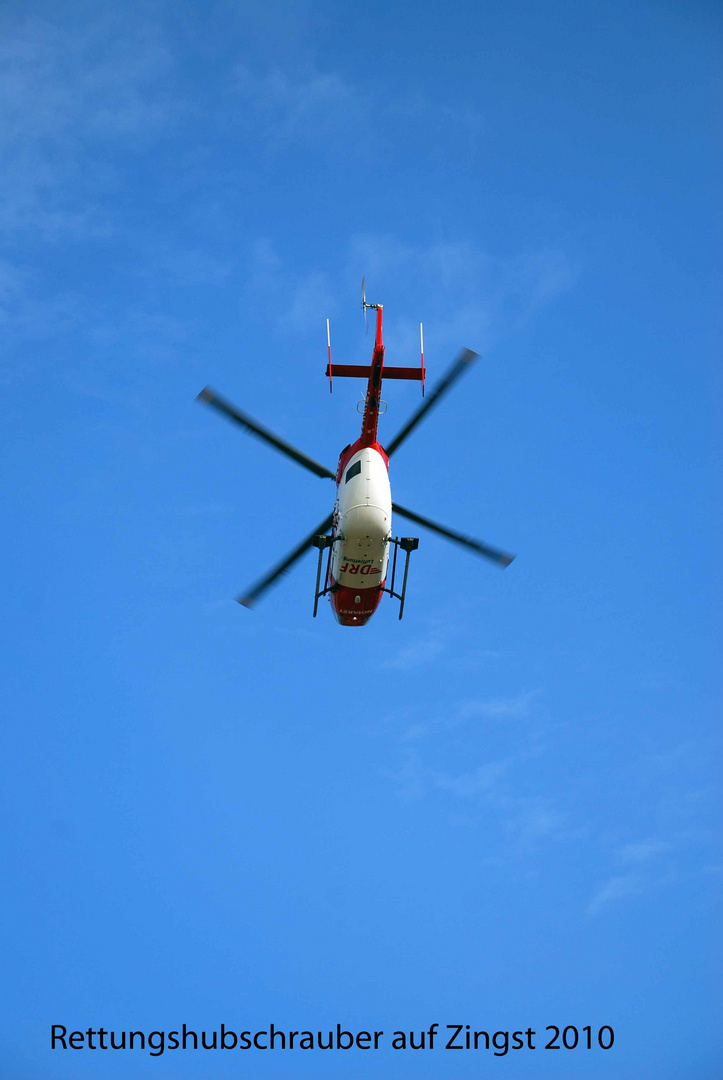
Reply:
x=537 y=819
x=616 y=888
x=419 y=652
x=310 y=295
x=411 y=779
x=29 y=314
x=84 y=77
x=424 y=650
x=66 y=92
x=298 y=299
x=470 y=785
x=299 y=108
x=643 y=851
x=476 y=297
x=187 y=266
x=643 y=856
x=304 y=105
x=199 y=511
x=464 y=123
x=517 y=707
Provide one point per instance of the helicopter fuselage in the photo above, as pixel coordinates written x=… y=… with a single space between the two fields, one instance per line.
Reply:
x=362 y=528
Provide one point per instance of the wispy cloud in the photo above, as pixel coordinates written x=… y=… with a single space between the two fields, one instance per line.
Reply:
x=298 y=298
x=151 y=336
x=305 y=105
x=420 y=651
x=308 y=107
x=309 y=295
x=188 y=266
x=477 y=297
x=496 y=790
x=616 y=888
x=29 y=312
x=202 y=510
x=517 y=707
x=471 y=785
x=410 y=779
x=537 y=818
x=643 y=856
x=643 y=851
x=490 y=789
x=424 y=650
x=67 y=92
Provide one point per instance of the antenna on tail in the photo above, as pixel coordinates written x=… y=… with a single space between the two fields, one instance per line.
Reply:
x=421 y=349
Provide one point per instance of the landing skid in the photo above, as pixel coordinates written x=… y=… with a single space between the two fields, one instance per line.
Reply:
x=323 y=542
x=408 y=544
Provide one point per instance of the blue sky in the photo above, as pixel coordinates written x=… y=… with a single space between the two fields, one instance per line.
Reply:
x=500 y=811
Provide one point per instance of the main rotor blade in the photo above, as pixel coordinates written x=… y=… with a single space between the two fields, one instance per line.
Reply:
x=461 y=364
x=228 y=409
x=249 y=599
x=500 y=557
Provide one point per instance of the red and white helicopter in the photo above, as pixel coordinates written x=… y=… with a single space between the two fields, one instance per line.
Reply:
x=357 y=535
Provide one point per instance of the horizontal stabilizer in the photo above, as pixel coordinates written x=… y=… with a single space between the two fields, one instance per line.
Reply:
x=363 y=371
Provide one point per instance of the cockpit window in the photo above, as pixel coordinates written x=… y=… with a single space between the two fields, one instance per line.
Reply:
x=353 y=471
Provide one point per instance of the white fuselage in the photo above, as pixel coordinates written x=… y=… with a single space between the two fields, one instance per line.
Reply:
x=363 y=517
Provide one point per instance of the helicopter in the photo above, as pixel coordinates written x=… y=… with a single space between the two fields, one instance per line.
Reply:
x=357 y=534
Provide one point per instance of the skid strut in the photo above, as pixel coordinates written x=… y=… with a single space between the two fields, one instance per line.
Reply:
x=323 y=542
x=408 y=544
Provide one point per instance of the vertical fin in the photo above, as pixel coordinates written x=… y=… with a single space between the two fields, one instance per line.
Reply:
x=421 y=349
